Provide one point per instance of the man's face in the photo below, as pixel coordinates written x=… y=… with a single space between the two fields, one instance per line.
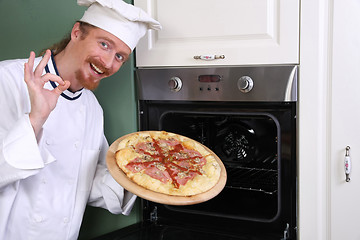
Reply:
x=98 y=55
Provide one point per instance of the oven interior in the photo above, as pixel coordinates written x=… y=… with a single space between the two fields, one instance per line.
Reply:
x=249 y=155
x=256 y=144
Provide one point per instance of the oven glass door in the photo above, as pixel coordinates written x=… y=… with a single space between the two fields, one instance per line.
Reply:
x=256 y=143
x=247 y=144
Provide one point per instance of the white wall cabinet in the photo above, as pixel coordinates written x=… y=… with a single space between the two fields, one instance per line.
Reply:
x=246 y=32
x=329 y=118
x=344 y=120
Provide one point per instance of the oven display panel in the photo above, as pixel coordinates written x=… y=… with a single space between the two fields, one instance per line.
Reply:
x=209 y=78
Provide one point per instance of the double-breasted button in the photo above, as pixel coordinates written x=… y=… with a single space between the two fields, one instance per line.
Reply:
x=77 y=144
x=65 y=220
x=49 y=141
x=38 y=218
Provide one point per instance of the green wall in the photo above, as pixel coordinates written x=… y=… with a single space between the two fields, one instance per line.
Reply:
x=37 y=24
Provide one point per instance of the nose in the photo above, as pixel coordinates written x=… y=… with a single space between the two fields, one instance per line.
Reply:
x=108 y=60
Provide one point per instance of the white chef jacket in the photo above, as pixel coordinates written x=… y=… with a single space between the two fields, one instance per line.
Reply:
x=45 y=183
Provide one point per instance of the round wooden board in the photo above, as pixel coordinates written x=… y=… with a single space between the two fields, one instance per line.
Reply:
x=142 y=192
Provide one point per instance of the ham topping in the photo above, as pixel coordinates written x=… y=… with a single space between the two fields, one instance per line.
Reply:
x=168 y=161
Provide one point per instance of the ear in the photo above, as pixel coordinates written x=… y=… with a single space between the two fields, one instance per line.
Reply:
x=75 y=32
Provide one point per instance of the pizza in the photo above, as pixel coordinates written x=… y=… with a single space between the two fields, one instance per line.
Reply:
x=167 y=163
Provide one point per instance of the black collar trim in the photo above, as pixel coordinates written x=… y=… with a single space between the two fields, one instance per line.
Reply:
x=67 y=94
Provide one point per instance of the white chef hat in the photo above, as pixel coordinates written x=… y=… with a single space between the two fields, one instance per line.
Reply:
x=125 y=21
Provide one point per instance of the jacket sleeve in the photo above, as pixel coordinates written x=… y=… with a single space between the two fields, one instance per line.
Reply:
x=20 y=156
x=106 y=192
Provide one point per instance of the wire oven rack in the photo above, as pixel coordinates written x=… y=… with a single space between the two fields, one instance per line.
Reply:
x=253 y=179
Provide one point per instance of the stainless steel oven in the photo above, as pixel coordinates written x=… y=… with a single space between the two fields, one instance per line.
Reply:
x=247 y=116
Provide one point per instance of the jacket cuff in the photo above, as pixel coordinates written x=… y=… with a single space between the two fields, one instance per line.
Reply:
x=122 y=198
x=20 y=148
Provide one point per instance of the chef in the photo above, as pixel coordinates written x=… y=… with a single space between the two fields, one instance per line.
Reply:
x=52 y=145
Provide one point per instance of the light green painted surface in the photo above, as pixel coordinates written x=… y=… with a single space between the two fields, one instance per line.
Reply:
x=37 y=24
x=34 y=24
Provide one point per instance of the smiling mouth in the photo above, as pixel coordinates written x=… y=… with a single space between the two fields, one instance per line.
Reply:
x=96 y=69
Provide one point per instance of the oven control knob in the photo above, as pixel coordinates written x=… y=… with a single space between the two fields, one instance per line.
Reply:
x=175 y=84
x=245 y=84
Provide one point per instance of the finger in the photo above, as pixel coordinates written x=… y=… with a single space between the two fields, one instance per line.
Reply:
x=61 y=88
x=27 y=73
x=28 y=67
x=55 y=78
x=40 y=68
x=31 y=60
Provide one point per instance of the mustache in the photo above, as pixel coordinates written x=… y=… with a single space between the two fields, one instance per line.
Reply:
x=98 y=63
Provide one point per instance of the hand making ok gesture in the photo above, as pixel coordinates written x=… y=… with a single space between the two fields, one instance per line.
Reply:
x=43 y=101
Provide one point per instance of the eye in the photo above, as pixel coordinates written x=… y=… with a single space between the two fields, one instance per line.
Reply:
x=104 y=44
x=119 y=57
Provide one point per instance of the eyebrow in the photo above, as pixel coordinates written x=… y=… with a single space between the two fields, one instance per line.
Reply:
x=108 y=39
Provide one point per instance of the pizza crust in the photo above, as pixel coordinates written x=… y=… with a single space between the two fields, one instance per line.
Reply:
x=126 y=153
